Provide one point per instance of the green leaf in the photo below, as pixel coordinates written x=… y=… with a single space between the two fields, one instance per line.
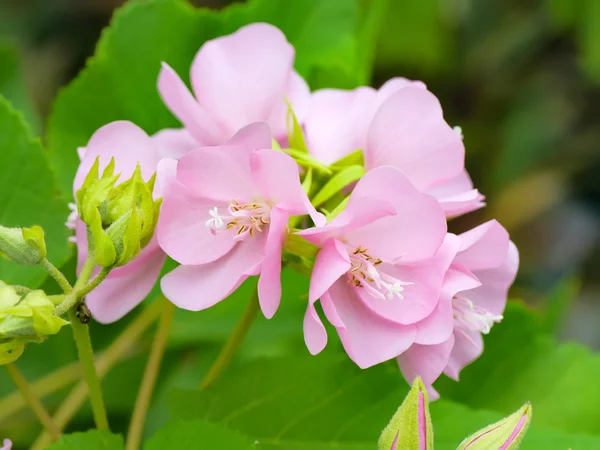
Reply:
x=589 y=38
x=33 y=199
x=338 y=182
x=90 y=440
x=558 y=302
x=119 y=82
x=521 y=362
x=321 y=403
x=12 y=85
x=197 y=435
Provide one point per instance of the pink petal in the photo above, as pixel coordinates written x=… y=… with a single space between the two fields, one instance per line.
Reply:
x=409 y=132
x=298 y=94
x=276 y=175
x=315 y=335
x=184 y=106
x=122 y=290
x=242 y=77
x=337 y=122
x=368 y=338
x=457 y=196
x=182 y=231
x=124 y=141
x=427 y=362
x=331 y=263
x=199 y=287
x=166 y=176
x=483 y=247
x=172 y=143
x=468 y=346
x=386 y=183
x=269 y=283
x=394 y=85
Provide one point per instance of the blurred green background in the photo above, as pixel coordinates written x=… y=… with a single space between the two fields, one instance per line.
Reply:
x=522 y=79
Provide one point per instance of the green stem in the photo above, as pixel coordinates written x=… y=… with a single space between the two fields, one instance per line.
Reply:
x=34 y=403
x=57 y=275
x=21 y=290
x=75 y=297
x=81 y=333
x=94 y=283
x=157 y=351
x=234 y=342
x=126 y=344
x=86 y=270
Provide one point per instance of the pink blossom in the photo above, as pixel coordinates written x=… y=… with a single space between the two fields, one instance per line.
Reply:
x=473 y=298
x=402 y=125
x=125 y=287
x=224 y=218
x=380 y=268
x=237 y=80
x=6 y=444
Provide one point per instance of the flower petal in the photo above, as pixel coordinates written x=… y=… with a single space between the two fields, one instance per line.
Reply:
x=331 y=263
x=468 y=346
x=174 y=143
x=315 y=335
x=457 y=196
x=483 y=247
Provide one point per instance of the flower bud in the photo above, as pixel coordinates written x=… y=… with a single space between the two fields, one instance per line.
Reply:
x=121 y=219
x=25 y=246
x=23 y=320
x=410 y=428
x=6 y=444
x=506 y=434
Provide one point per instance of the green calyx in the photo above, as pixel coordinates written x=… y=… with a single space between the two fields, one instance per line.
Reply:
x=24 y=319
x=121 y=219
x=25 y=246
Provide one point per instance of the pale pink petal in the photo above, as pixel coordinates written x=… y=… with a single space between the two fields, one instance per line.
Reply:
x=122 y=291
x=495 y=283
x=409 y=132
x=166 y=176
x=420 y=297
x=468 y=346
x=182 y=104
x=182 y=231
x=241 y=78
x=368 y=338
x=386 y=183
x=199 y=287
x=427 y=362
x=124 y=141
x=276 y=175
x=331 y=263
x=315 y=335
x=337 y=122
x=458 y=196
x=269 y=283
x=394 y=85
x=483 y=247
x=174 y=143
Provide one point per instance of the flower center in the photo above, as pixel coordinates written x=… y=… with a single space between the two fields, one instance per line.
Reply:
x=364 y=273
x=471 y=317
x=247 y=219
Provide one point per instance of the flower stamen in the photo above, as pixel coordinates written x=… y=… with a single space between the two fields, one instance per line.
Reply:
x=247 y=219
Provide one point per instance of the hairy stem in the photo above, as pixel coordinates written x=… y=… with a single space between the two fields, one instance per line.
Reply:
x=81 y=333
x=234 y=342
x=122 y=345
x=57 y=275
x=142 y=402
x=34 y=402
x=73 y=299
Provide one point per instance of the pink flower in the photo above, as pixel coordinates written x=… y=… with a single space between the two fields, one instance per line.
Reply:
x=6 y=444
x=125 y=287
x=380 y=268
x=237 y=80
x=402 y=125
x=473 y=298
x=225 y=216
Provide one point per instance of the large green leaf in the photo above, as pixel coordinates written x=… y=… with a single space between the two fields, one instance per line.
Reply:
x=324 y=403
x=120 y=80
x=521 y=362
x=90 y=440
x=29 y=194
x=197 y=435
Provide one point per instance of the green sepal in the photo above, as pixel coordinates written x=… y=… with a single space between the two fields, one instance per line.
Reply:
x=103 y=246
x=36 y=234
x=338 y=209
x=308 y=181
x=11 y=350
x=356 y=158
x=18 y=249
x=298 y=246
x=338 y=182
x=295 y=134
x=306 y=160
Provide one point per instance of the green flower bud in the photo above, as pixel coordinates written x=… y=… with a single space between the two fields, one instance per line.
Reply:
x=25 y=246
x=506 y=434
x=23 y=320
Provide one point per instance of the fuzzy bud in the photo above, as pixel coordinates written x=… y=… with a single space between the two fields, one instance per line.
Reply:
x=25 y=246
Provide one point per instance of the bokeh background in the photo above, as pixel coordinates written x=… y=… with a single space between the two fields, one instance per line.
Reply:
x=521 y=77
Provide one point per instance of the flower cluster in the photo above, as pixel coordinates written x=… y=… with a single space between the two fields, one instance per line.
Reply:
x=361 y=181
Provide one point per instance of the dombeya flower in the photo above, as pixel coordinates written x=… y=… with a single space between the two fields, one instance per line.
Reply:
x=473 y=298
x=410 y=428
x=225 y=216
x=506 y=434
x=402 y=125
x=6 y=444
x=134 y=154
x=380 y=268
x=24 y=319
x=238 y=79
x=25 y=246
